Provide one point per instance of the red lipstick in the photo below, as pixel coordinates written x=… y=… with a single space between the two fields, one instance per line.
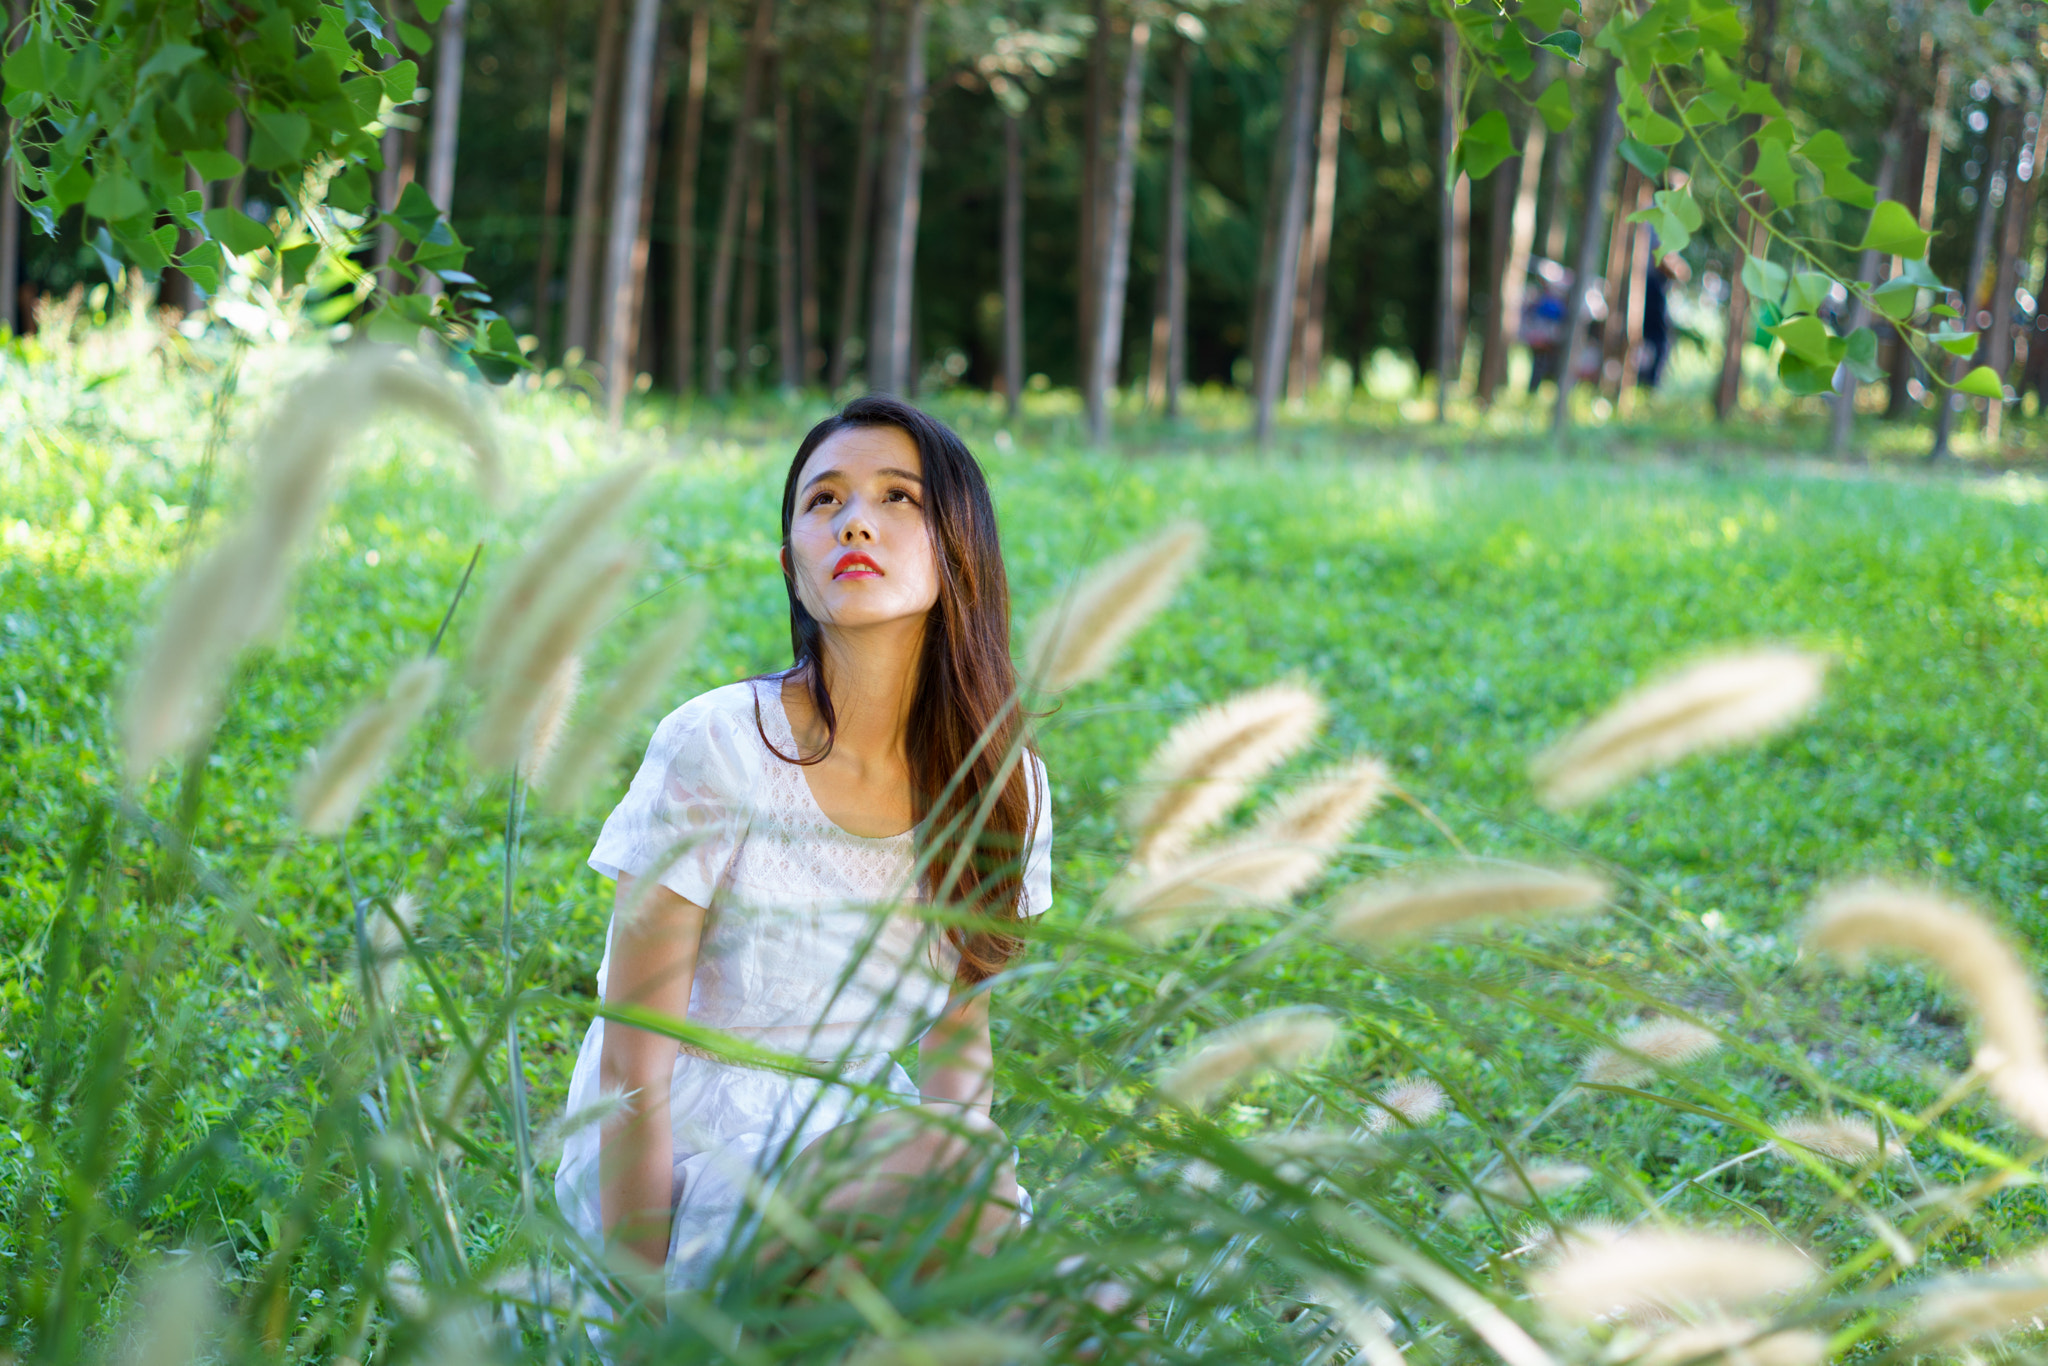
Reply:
x=854 y=565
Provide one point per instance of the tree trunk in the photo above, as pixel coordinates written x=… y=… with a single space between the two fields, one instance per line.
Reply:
x=1973 y=278
x=1454 y=223
x=861 y=211
x=1113 y=262
x=1169 y=322
x=1606 y=138
x=449 y=48
x=738 y=171
x=1504 y=183
x=2021 y=189
x=682 y=321
x=628 y=175
x=747 y=321
x=1869 y=266
x=1639 y=267
x=1013 y=264
x=890 y=356
x=807 y=240
x=1514 y=272
x=1754 y=239
x=1094 y=115
x=550 y=195
x=789 y=337
x=1616 y=276
x=1295 y=129
x=1269 y=230
x=578 y=307
x=1307 y=364
x=640 y=312
x=1555 y=228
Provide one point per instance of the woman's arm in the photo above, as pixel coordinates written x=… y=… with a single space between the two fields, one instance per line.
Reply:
x=654 y=960
x=956 y=1061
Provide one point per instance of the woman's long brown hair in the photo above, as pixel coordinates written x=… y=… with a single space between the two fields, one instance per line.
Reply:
x=963 y=715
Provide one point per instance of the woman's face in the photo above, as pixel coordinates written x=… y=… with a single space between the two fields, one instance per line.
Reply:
x=859 y=548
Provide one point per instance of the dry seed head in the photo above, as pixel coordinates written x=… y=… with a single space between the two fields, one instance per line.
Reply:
x=968 y=1345
x=647 y=671
x=1297 y=1155
x=1322 y=811
x=1367 y=1325
x=1640 y=1053
x=1248 y=872
x=1848 y=1139
x=550 y=716
x=1867 y=917
x=1395 y=910
x=1652 y=1270
x=572 y=534
x=174 y=1313
x=435 y=396
x=1959 y=1309
x=1276 y=1040
x=1545 y=1179
x=174 y=690
x=388 y=928
x=1725 y=700
x=353 y=758
x=1075 y=638
x=575 y=612
x=1413 y=1100
x=1206 y=763
x=1735 y=1342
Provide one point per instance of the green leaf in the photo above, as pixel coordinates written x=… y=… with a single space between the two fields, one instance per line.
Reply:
x=1896 y=298
x=1673 y=216
x=1708 y=108
x=1485 y=145
x=1943 y=310
x=391 y=327
x=400 y=79
x=415 y=213
x=1563 y=41
x=1555 y=105
x=1810 y=289
x=1777 y=130
x=1983 y=382
x=279 y=140
x=214 y=165
x=169 y=60
x=1894 y=231
x=1805 y=377
x=1915 y=268
x=1548 y=14
x=237 y=231
x=1511 y=50
x=1644 y=158
x=1720 y=26
x=115 y=196
x=430 y=10
x=1719 y=78
x=1758 y=98
x=1957 y=341
x=1764 y=281
x=1774 y=173
x=1653 y=128
x=203 y=264
x=32 y=66
x=1827 y=151
x=1806 y=336
x=414 y=37
x=1860 y=355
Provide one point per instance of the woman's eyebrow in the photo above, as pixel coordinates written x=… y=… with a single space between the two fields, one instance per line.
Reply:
x=887 y=472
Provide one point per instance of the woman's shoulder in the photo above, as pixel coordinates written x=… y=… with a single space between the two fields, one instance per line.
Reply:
x=721 y=720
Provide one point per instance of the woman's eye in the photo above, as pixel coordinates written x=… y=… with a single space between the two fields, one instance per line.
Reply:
x=901 y=496
x=818 y=500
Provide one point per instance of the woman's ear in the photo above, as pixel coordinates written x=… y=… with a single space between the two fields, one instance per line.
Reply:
x=782 y=556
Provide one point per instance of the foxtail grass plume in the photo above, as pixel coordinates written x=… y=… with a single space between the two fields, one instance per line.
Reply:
x=1243 y=873
x=1718 y=702
x=1409 y=1101
x=1536 y=1179
x=1297 y=1154
x=1960 y=1309
x=1281 y=1040
x=1875 y=917
x=1323 y=811
x=173 y=693
x=1734 y=1342
x=646 y=673
x=1377 y=912
x=574 y=612
x=1650 y=1271
x=1848 y=1139
x=431 y=395
x=174 y=1314
x=388 y=928
x=1074 y=640
x=1207 y=762
x=572 y=535
x=550 y=718
x=1365 y=1324
x=609 y=1105
x=1642 y=1052
x=349 y=764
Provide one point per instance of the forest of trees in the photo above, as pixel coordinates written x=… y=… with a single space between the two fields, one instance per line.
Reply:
x=729 y=194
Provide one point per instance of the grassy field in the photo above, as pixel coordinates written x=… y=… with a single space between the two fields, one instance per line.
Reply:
x=1458 y=609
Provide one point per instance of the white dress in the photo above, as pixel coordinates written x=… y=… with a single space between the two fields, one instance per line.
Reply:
x=796 y=956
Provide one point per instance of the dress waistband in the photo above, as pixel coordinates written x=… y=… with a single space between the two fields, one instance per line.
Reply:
x=835 y=1064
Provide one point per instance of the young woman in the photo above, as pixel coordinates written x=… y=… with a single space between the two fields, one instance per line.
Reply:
x=793 y=823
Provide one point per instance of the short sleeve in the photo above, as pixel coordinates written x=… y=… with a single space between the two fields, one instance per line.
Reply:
x=1037 y=897
x=687 y=809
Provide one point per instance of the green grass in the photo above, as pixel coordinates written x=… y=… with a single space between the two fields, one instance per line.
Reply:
x=1457 y=608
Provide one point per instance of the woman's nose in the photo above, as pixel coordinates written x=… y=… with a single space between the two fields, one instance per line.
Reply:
x=855 y=527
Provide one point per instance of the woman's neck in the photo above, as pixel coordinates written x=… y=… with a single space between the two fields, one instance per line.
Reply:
x=872 y=677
